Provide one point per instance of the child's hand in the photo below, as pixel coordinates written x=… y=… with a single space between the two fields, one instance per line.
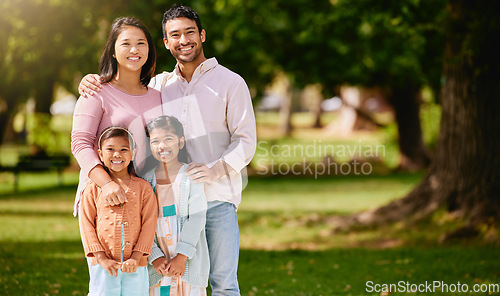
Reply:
x=160 y=265
x=110 y=265
x=177 y=265
x=130 y=265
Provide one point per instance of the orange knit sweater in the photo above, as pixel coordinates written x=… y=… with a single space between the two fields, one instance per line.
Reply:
x=101 y=225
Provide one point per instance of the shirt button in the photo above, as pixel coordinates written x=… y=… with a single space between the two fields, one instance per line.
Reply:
x=127 y=244
x=174 y=284
x=125 y=223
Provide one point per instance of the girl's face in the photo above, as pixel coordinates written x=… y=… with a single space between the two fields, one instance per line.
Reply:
x=165 y=145
x=131 y=49
x=116 y=154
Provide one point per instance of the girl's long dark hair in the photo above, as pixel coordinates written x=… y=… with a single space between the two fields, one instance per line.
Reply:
x=108 y=66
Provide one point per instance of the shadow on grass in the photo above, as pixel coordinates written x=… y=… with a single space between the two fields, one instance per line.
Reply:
x=58 y=268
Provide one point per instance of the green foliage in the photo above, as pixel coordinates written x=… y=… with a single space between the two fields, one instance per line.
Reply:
x=329 y=42
x=44 y=42
x=43 y=135
x=45 y=39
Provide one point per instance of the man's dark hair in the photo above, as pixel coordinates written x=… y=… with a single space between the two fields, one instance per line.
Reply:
x=178 y=10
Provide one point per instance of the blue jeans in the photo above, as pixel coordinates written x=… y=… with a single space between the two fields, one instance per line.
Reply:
x=223 y=240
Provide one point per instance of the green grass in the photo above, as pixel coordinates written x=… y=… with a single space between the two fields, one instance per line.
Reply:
x=287 y=247
x=289 y=212
x=347 y=271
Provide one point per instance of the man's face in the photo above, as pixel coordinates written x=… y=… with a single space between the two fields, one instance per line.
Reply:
x=184 y=40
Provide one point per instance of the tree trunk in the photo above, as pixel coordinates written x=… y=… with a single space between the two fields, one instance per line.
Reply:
x=413 y=154
x=39 y=132
x=464 y=176
x=466 y=166
x=286 y=116
x=7 y=112
x=292 y=96
x=312 y=97
x=44 y=95
x=5 y=117
x=317 y=117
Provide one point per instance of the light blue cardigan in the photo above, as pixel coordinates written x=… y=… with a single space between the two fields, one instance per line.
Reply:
x=192 y=239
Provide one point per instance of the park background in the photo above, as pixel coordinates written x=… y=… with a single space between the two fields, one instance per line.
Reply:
x=378 y=133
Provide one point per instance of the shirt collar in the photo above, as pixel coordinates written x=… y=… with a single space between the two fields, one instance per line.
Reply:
x=206 y=66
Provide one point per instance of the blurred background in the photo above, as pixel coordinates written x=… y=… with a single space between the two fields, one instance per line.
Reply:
x=349 y=98
x=338 y=66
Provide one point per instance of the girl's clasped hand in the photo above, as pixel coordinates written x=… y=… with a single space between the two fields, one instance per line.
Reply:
x=175 y=267
x=112 y=266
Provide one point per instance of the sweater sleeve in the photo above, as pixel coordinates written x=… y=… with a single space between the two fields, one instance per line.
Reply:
x=88 y=216
x=156 y=252
x=195 y=221
x=86 y=120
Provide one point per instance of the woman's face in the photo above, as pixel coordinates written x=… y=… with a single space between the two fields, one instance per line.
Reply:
x=131 y=49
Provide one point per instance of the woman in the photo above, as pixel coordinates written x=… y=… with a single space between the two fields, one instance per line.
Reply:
x=127 y=65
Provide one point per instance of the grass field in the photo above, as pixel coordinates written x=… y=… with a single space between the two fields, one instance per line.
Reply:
x=286 y=248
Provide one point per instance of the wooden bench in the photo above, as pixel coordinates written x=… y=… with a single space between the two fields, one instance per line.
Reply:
x=38 y=163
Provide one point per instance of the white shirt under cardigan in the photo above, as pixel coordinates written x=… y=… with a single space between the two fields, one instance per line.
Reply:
x=216 y=111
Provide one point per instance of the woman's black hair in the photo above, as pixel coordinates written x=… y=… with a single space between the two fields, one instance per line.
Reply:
x=171 y=124
x=118 y=132
x=108 y=67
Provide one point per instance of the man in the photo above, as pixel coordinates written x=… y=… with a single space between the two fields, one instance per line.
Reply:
x=214 y=105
